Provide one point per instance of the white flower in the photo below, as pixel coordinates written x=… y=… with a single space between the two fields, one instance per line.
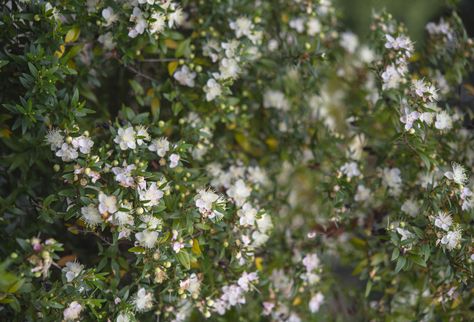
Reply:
x=242 y=27
x=366 y=55
x=147 y=238
x=362 y=194
x=160 y=146
x=410 y=207
x=177 y=246
x=185 y=76
x=315 y=302
x=174 y=160
x=55 y=139
x=126 y=139
x=191 y=284
x=264 y=223
x=443 y=121
x=314 y=26
x=297 y=24
x=143 y=300
x=405 y=233
x=443 y=221
x=123 y=317
x=72 y=270
x=158 y=25
x=451 y=239
x=245 y=280
x=408 y=118
x=401 y=42
x=228 y=68
x=109 y=16
x=391 y=77
x=275 y=99
x=350 y=169
x=72 y=312
x=392 y=179
x=140 y=23
x=122 y=218
x=239 y=191
x=124 y=175
x=142 y=134
x=427 y=117
x=67 y=153
x=107 y=40
x=259 y=238
x=205 y=200
x=247 y=215
x=176 y=18
x=458 y=174
x=107 y=204
x=233 y=295
x=311 y=262
x=465 y=196
x=213 y=89
x=151 y=196
x=349 y=41
x=91 y=215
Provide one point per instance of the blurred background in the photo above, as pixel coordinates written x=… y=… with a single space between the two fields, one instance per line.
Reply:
x=414 y=13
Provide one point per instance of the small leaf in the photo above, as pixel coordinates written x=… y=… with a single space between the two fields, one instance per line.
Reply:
x=72 y=35
x=368 y=288
x=172 y=67
x=184 y=259
x=136 y=249
x=196 y=247
x=400 y=264
x=395 y=254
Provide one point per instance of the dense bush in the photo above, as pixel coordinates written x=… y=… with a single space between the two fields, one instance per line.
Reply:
x=232 y=160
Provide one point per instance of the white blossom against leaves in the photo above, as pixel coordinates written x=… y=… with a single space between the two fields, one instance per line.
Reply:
x=275 y=99
x=408 y=118
x=72 y=312
x=391 y=178
x=410 y=207
x=212 y=89
x=349 y=41
x=174 y=160
x=67 y=153
x=315 y=302
x=124 y=175
x=239 y=191
x=55 y=139
x=72 y=270
x=443 y=121
x=147 y=238
x=458 y=174
x=452 y=239
x=161 y=146
x=185 y=76
x=242 y=26
x=143 y=300
x=443 y=220
x=151 y=196
x=350 y=169
x=107 y=204
x=126 y=138
x=91 y=215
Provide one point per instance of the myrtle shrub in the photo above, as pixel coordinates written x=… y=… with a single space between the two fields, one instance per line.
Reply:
x=232 y=161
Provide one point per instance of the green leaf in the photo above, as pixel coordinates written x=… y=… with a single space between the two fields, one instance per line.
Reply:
x=368 y=287
x=184 y=259
x=183 y=48
x=136 y=249
x=395 y=254
x=400 y=264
